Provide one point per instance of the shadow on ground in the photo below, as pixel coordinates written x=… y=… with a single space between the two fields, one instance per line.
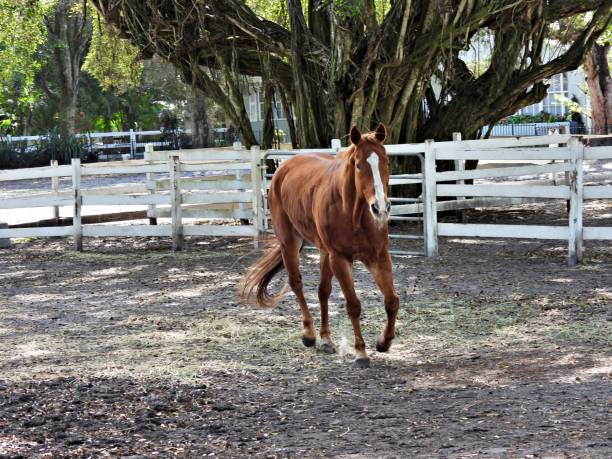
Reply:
x=128 y=349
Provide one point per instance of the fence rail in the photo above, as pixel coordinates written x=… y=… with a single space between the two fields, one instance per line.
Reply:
x=127 y=141
x=205 y=193
x=573 y=190
x=232 y=184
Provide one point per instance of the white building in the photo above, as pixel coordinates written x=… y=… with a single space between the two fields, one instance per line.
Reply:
x=254 y=103
x=569 y=86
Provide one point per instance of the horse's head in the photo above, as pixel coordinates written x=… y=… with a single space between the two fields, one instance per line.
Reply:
x=371 y=168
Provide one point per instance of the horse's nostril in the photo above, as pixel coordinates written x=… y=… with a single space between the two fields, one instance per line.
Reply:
x=375 y=209
x=388 y=207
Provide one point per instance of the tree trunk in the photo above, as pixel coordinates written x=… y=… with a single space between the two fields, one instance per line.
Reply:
x=354 y=63
x=200 y=126
x=69 y=30
x=267 y=87
x=600 y=87
x=288 y=111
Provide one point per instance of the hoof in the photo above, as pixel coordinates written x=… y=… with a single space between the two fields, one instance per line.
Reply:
x=328 y=348
x=362 y=363
x=308 y=342
x=381 y=346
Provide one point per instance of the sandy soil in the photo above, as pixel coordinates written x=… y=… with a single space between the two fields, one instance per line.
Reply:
x=130 y=350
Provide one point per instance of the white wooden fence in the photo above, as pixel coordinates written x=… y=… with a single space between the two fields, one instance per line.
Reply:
x=571 y=153
x=219 y=184
x=566 y=157
x=123 y=140
x=208 y=191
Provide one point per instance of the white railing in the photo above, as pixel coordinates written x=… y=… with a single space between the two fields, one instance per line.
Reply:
x=573 y=190
x=130 y=140
x=210 y=194
x=218 y=184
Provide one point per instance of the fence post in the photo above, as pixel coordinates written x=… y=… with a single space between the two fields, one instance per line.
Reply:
x=78 y=200
x=55 y=189
x=430 y=212
x=4 y=241
x=336 y=145
x=257 y=197
x=576 y=188
x=151 y=183
x=175 y=202
x=459 y=167
x=242 y=206
x=132 y=144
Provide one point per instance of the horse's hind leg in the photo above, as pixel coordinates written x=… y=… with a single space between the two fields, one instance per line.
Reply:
x=325 y=287
x=290 y=249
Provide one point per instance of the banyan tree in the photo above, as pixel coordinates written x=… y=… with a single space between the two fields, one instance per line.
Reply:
x=335 y=63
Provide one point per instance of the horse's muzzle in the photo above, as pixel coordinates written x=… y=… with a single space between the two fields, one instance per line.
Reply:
x=380 y=214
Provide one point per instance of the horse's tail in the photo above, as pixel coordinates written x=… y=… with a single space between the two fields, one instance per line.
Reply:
x=254 y=285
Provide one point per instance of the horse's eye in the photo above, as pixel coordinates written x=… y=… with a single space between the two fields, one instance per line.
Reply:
x=358 y=167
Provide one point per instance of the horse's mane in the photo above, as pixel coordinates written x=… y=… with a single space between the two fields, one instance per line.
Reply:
x=368 y=137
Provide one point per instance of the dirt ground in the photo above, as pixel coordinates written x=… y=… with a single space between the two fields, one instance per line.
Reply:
x=130 y=350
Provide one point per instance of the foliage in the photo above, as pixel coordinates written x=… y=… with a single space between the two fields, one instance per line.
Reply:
x=9 y=155
x=361 y=62
x=61 y=147
x=112 y=61
x=116 y=92
x=22 y=31
x=575 y=110
x=542 y=117
x=170 y=126
x=52 y=147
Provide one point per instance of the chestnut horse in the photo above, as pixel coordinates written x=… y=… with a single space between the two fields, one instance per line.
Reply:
x=340 y=205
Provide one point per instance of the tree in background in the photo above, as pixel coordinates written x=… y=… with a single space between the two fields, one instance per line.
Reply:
x=43 y=46
x=69 y=32
x=341 y=63
x=599 y=82
x=64 y=66
x=22 y=32
x=596 y=70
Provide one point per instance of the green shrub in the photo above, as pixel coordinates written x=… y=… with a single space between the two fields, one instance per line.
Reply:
x=61 y=148
x=14 y=155
x=542 y=117
x=9 y=155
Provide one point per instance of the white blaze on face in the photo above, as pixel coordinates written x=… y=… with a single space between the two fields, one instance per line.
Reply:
x=378 y=184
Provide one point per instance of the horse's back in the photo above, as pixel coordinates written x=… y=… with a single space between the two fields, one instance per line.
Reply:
x=303 y=172
x=293 y=191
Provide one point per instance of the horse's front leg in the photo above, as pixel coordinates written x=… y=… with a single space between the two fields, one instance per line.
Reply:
x=325 y=288
x=343 y=270
x=381 y=269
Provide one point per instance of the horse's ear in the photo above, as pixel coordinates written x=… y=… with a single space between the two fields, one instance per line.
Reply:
x=381 y=133
x=355 y=135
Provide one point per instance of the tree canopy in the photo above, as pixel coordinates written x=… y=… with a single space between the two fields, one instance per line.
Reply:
x=64 y=66
x=362 y=62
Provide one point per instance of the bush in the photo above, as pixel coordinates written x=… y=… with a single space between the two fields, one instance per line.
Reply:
x=14 y=155
x=9 y=155
x=542 y=117
x=171 y=130
x=61 y=148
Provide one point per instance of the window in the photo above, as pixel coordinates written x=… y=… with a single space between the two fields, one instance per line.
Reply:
x=550 y=104
x=253 y=110
x=558 y=87
x=278 y=109
x=256 y=107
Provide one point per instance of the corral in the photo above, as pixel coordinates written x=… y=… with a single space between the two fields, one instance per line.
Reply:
x=129 y=349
